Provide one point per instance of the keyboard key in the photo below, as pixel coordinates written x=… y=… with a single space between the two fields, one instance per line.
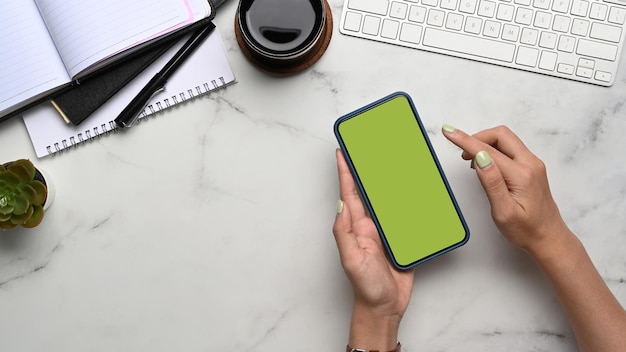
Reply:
x=398 y=10
x=548 y=60
x=565 y=68
x=524 y=16
x=492 y=29
x=505 y=12
x=510 y=32
x=560 y=24
x=542 y=20
x=598 y=11
x=436 y=17
x=579 y=8
x=541 y=4
x=472 y=25
x=617 y=15
x=580 y=27
x=454 y=21
x=373 y=6
x=390 y=29
x=529 y=36
x=584 y=72
x=586 y=63
x=417 y=14
x=410 y=33
x=560 y=6
x=430 y=2
x=603 y=76
x=448 y=4
x=527 y=56
x=352 y=22
x=596 y=49
x=605 y=32
x=523 y=2
x=371 y=25
x=467 y=44
x=487 y=8
x=566 y=44
x=467 y=6
x=547 y=40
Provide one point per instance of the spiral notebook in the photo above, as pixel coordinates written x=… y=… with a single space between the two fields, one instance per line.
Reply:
x=207 y=70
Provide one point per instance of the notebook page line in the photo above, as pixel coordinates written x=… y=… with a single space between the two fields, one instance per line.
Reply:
x=27 y=44
x=191 y=16
x=106 y=26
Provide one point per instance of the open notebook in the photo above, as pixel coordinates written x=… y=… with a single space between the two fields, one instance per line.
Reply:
x=206 y=70
x=48 y=44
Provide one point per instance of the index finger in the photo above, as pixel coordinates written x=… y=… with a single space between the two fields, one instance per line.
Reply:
x=472 y=145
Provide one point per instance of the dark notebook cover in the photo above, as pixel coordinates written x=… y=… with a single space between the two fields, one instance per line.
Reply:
x=76 y=104
x=79 y=102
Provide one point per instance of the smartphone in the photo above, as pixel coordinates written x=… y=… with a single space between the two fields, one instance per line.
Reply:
x=401 y=181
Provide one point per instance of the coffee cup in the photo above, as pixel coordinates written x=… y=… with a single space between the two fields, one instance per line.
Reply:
x=283 y=36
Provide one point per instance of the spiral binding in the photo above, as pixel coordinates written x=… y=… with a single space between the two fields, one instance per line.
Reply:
x=150 y=110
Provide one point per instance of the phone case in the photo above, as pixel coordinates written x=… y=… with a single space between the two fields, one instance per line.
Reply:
x=401 y=180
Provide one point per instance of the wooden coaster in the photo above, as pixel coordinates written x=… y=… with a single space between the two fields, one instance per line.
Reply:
x=289 y=67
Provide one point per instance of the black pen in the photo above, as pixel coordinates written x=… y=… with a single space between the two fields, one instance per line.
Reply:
x=131 y=113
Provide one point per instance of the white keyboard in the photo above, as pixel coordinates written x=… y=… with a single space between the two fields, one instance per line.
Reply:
x=575 y=39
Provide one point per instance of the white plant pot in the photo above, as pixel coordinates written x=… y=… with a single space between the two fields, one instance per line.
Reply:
x=49 y=185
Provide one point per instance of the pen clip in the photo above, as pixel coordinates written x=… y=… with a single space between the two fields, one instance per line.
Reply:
x=141 y=112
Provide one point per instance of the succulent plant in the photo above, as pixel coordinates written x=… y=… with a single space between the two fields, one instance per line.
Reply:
x=21 y=195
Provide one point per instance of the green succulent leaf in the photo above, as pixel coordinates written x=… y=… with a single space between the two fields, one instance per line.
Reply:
x=20 y=171
x=23 y=218
x=28 y=192
x=6 y=225
x=9 y=179
x=6 y=206
x=41 y=193
x=36 y=218
x=5 y=217
x=20 y=204
x=24 y=168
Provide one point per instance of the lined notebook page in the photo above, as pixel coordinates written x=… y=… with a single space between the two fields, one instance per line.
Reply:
x=87 y=31
x=30 y=64
x=206 y=70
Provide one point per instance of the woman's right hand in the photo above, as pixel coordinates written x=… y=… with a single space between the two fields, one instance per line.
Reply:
x=523 y=209
x=516 y=185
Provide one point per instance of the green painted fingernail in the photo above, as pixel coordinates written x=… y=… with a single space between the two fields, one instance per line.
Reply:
x=482 y=159
x=339 y=206
x=448 y=128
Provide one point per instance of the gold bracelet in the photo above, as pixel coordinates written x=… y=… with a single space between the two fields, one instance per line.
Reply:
x=352 y=349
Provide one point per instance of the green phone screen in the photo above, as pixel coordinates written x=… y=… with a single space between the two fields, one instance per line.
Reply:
x=401 y=181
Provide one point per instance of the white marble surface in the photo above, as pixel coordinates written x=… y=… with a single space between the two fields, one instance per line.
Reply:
x=209 y=227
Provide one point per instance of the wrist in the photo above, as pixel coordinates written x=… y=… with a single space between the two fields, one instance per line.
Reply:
x=554 y=246
x=370 y=330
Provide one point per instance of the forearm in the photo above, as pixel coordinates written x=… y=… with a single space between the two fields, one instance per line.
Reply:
x=373 y=332
x=596 y=317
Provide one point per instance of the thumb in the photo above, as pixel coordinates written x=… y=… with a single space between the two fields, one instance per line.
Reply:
x=342 y=229
x=493 y=182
